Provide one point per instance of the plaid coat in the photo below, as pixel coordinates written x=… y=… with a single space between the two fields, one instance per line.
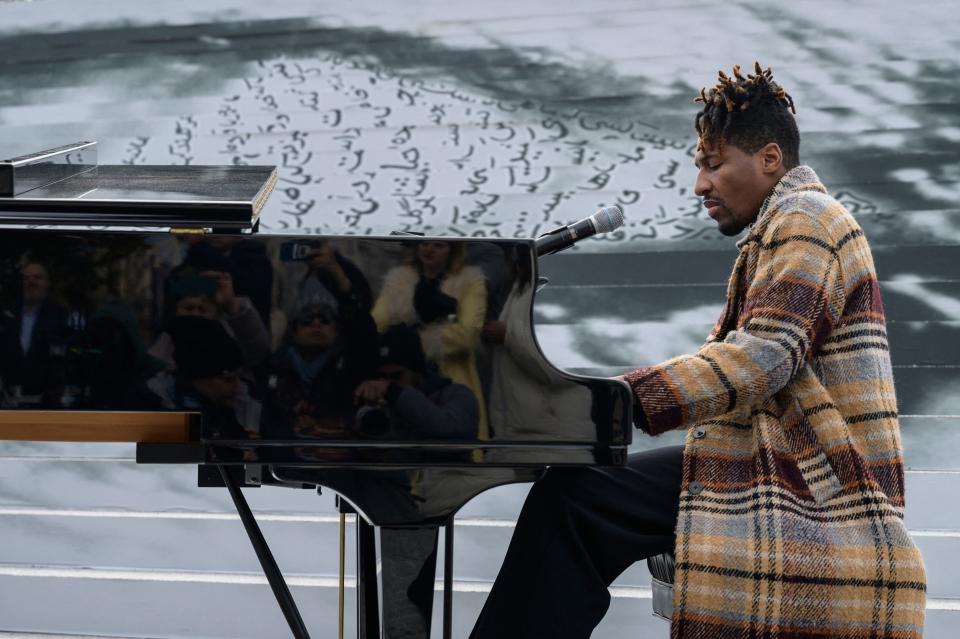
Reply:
x=791 y=508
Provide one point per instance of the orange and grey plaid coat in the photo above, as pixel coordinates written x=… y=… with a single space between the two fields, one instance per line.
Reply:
x=791 y=509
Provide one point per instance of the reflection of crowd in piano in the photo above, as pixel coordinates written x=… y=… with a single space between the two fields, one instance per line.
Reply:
x=275 y=338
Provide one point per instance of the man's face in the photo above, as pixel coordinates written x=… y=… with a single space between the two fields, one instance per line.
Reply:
x=221 y=390
x=433 y=255
x=399 y=375
x=732 y=184
x=196 y=305
x=315 y=330
x=36 y=283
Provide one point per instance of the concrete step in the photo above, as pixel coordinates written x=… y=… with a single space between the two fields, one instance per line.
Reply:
x=230 y=610
x=123 y=596
x=126 y=485
x=214 y=543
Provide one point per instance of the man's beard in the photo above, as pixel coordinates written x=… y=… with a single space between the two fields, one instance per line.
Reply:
x=731 y=230
x=730 y=226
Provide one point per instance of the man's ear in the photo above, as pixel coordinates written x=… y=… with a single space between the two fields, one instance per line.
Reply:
x=771 y=158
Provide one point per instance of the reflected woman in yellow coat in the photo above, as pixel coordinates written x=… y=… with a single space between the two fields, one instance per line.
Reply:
x=447 y=301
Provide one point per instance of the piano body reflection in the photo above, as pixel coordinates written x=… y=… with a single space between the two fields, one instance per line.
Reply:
x=401 y=372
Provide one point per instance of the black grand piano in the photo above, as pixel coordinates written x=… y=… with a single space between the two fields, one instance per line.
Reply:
x=401 y=372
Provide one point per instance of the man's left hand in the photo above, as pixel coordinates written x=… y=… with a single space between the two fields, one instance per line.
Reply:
x=372 y=391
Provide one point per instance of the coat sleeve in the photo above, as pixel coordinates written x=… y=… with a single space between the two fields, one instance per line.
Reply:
x=462 y=335
x=791 y=305
x=252 y=336
x=380 y=312
x=452 y=414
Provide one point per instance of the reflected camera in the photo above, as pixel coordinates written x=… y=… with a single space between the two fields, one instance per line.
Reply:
x=296 y=251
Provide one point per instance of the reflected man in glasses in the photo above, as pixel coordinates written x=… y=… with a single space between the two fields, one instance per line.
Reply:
x=327 y=352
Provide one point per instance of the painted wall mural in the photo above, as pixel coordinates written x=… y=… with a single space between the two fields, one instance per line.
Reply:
x=468 y=165
x=365 y=149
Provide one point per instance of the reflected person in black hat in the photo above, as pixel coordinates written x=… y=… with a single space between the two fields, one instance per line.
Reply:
x=210 y=294
x=244 y=260
x=419 y=401
x=208 y=365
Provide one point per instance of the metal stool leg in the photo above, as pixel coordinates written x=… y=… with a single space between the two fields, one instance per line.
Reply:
x=448 y=580
x=341 y=586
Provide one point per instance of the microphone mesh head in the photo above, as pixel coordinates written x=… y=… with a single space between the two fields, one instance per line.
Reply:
x=608 y=218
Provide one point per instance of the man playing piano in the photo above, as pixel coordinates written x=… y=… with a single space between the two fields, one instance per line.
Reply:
x=784 y=509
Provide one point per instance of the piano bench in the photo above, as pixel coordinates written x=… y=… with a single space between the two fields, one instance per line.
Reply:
x=661 y=584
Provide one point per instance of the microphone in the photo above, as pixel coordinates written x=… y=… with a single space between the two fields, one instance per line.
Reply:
x=603 y=221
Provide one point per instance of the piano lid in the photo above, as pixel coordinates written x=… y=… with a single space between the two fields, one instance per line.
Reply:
x=66 y=186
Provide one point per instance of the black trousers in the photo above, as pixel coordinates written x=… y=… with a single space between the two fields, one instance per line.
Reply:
x=578 y=530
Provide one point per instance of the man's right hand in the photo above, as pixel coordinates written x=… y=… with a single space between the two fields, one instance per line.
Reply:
x=225 y=295
x=372 y=391
x=494 y=331
x=324 y=258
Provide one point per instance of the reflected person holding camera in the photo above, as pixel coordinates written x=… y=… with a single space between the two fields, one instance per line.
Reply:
x=446 y=300
x=321 y=274
x=411 y=400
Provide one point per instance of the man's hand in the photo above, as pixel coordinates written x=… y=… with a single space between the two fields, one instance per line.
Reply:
x=323 y=258
x=302 y=407
x=494 y=331
x=225 y=296
x=372 y=391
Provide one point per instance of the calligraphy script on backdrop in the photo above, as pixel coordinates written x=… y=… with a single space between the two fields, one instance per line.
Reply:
x=363 y=149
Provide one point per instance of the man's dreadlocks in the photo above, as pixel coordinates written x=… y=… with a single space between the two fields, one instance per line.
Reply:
x=749 y=112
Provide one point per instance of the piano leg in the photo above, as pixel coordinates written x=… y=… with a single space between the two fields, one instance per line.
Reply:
x=368 y=607
x=267 y=562
x=409 y=560
x=448 y=580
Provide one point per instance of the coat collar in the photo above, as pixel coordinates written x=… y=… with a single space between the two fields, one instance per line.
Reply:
x=799 y=178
